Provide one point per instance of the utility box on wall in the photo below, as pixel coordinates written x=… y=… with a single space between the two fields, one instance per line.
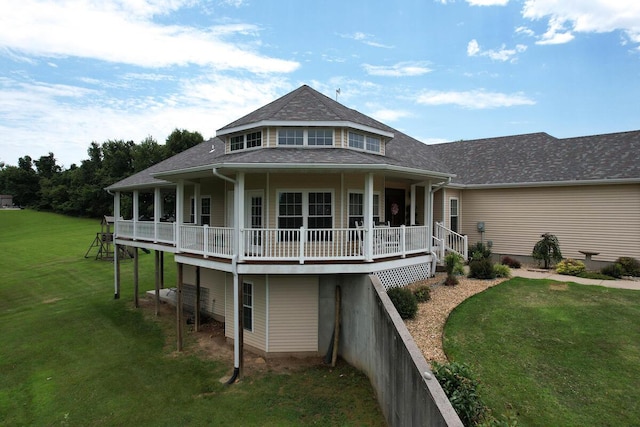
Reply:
x=480 y=226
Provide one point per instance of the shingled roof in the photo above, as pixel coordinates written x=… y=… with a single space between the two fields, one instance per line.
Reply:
x=541 y=158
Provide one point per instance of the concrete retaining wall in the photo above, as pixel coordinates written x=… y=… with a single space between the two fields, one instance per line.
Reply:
x=375 y=340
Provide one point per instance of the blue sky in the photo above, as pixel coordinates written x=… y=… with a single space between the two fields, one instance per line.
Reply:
x=73 y=72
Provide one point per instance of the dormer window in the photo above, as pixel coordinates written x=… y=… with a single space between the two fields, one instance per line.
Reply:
x=312 y=137
x=364 y=142
x=248 y=140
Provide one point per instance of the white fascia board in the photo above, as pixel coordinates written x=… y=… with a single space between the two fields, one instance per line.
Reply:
x=130 y=187
x=548 y=183
x=310 y=123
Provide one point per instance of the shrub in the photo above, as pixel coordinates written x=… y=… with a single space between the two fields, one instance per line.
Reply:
x=482 y=269
x=594 y=275
x=630 y=266
x=422 y=293
x=453 y=264
x=510 y=262
x=451 y=281
x=501 y=270
x=613 y=270
x=404 y=301
x=479 y=251
x=547 y=249
x=460 y=386
x=570 y=267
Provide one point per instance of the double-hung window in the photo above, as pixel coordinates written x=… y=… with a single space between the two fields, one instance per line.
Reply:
x=356 y=208
x=311 y=209
x=453 y=215
x=247 y=306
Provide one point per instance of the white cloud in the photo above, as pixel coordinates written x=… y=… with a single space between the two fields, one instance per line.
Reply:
x=388 y=115
x=587 y=16
x=474 y=99
x=503 y=54
x=123 y=32
x=401 y=69
x=488 y=2
x=366 y=39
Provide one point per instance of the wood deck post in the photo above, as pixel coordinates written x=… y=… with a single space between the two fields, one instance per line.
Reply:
x=136 y=284
x=197 y=309
x=116 y=257
x=161 y=270
x=157 y=280
x=179 y=320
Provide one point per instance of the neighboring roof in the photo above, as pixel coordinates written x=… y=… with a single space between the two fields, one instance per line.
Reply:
x=541 y=158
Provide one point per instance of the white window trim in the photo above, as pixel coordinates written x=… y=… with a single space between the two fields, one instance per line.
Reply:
x=197 y=218
x=244 y=141
x=305 y=137
x=305 y=203
x=364 y=142
x=248 y=328
x=375 y=193
x=457 y=215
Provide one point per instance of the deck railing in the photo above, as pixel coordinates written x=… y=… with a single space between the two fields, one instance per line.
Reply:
x=299 y=244
x=452 y=241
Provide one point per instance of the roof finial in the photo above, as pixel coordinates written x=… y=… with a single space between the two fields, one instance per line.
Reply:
x=337 y=93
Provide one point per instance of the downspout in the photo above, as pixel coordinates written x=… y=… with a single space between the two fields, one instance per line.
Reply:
x=236 y=303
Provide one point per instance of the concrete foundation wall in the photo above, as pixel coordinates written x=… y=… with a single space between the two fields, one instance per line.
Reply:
x=374 y=339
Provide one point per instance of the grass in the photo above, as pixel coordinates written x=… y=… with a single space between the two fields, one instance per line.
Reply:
x=551 y=353
x=72 y=355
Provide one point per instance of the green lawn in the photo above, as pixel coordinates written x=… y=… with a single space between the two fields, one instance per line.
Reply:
x=72 y=355
x=552 y=354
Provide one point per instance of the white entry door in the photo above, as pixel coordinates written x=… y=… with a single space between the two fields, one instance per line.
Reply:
x=254 y=220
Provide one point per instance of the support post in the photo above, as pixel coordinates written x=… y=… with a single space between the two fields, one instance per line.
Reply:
x=198 y=302
x=240 y=315
x=368 y=217
x=179 y=319
x=116 y=264
x=136 y=284
x=157 y=281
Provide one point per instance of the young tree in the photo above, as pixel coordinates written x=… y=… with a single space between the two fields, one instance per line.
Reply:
x=547 y=249
x=181 y=140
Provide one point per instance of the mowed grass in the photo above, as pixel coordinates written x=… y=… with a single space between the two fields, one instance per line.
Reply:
x=72 y=355
x=552 y=354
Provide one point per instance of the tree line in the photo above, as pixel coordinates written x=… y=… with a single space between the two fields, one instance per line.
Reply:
x=42 y=184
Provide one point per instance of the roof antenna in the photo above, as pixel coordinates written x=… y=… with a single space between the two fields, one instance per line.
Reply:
x=337 y=93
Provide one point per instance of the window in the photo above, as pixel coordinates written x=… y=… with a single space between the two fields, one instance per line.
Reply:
x=290 y=137
x=254 y=139
x=453 y=215
x=320 y=211
x=290 y=210
x=320 y=137
x=373 y=144
x=249 y=140
x=205 y=211
x=247 y=306
x=237 y=142
x=356 y=140
x=356 y=208
x=311 y=209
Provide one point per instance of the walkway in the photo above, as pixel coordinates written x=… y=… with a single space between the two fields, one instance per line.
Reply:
x=552 y=275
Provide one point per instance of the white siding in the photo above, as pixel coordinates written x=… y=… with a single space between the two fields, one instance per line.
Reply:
x=257 y=337
x=293 y=313
x=603 y=218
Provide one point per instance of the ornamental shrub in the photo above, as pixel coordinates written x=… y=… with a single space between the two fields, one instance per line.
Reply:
x=501 y=270
x=479 y=251
x=570 y=267
x=460 y=386
x=613 y=270
x=547 y=249
x=453 y=264
x=451 y=281
x=481 y=269
x=422 y=293
x=404 y=301
x=510 y=262
x=630 y=266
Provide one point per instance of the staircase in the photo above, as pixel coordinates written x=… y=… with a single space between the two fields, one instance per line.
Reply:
x=446 y=240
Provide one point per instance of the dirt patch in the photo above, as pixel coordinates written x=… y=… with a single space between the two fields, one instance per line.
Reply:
x=51 y=300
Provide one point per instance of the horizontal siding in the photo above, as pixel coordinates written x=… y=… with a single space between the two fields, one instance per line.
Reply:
x=293 y=313
x=215 y=281
x=256 y=338
x=604 y=219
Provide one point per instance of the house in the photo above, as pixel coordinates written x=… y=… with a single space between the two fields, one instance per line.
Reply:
x=304 y=195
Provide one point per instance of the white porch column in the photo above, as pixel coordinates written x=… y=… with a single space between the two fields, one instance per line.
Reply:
x=368 y=217
x=428 y=214
x=136 y=213
x=157 y=211
x=179 y=211
x=239 y=214
x=196 y=204
x=412 y=219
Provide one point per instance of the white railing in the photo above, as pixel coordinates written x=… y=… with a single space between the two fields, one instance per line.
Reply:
x=452 y=241
x=283 y=244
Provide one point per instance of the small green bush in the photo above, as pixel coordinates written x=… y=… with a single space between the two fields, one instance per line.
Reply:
x=501 y=270
x=594 y=275
x=460 y=386
x=510 y=262
x=613 y=270
x=422 y=293
x=451 y=281
x=481 y=269
x=630 y=266
x=479 y=251
x=570 y=267
x=453 y=264
x=404 y=301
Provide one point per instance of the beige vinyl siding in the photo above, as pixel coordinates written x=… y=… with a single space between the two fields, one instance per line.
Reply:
x=293 y=314
x=448 y=195
x=602 y=218
x=438 y=206
x=214 y=281
x=257 y=337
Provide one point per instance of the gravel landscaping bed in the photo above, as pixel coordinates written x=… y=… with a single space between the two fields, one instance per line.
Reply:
x=428 y=325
